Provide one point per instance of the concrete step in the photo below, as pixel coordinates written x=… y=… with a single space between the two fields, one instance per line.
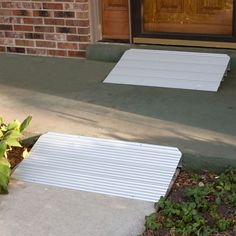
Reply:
x=112 y=52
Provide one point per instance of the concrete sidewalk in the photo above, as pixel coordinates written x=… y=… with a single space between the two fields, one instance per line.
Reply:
x=32 y=209
x=67 y=95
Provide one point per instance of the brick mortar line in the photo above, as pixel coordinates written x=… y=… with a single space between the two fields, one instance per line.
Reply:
x=42 y=39
x=42 y=33
x=52 y=2
x=40 y=9
x=44 y=55
x=44 y=48
x=7 y=23
x=36 y=25
x=46 y=41
x=51 y=18
x=43 y=24
x=47 y=55
x=43 y=9
x=45 y=17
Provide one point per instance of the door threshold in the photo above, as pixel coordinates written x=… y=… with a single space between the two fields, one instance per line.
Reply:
x=123 y=41
x=191 y=43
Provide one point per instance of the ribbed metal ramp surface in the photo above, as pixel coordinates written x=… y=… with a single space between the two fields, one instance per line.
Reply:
x=124 y=169
x=170 y=69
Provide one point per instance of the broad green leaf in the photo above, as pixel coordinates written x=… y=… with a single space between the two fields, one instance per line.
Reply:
x=4 y=175
x=14 y=125
x=13 y=142
x=12 y=134
x=25 y=154
x=3 y=128
x=3 y=148
x=9 y=136
x=25 y=123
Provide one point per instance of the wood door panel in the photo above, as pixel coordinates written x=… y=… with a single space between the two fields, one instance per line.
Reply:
x=116 y=4
x=189 y=16
x=115 y=19
x=205 y=6
x=170 y=6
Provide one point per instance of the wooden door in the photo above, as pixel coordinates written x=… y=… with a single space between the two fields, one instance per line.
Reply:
x=115 y=19
x=188 y=16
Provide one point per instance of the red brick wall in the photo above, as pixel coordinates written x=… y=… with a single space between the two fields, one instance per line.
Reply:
x=45 y=27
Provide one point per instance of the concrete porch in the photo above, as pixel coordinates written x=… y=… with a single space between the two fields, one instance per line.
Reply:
x=67 y=95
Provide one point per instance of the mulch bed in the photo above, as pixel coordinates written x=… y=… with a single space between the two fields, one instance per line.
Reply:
x=15 y=155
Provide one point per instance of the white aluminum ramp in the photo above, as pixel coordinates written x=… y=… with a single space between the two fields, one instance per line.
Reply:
x=170 y=69
x=118 y=168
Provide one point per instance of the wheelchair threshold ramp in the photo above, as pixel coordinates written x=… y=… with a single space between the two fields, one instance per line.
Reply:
x=170 y=69
x=117 y=168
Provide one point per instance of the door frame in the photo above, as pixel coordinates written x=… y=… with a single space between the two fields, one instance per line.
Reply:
x=136 y=11
x=95 y=17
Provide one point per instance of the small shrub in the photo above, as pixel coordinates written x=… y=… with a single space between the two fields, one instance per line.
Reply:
x=9 y=137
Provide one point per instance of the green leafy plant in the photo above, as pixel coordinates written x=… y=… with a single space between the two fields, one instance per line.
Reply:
x=199 y=195
x=196 y=178
x=199 y=211
x=232 y=199
x=151 y=222
x=4 y=174
x=183 y=217
x=223 y=224
x=234 y=229
x=9 y=137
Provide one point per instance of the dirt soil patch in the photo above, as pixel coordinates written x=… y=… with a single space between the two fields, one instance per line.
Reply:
x=15 y=156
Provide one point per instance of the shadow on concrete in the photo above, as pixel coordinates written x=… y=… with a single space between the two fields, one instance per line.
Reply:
x=196 y=160
x=78 y=84
x=80 y=80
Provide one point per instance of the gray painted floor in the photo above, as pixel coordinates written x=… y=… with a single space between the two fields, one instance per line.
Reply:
x=38 y=210
x=67 y=95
